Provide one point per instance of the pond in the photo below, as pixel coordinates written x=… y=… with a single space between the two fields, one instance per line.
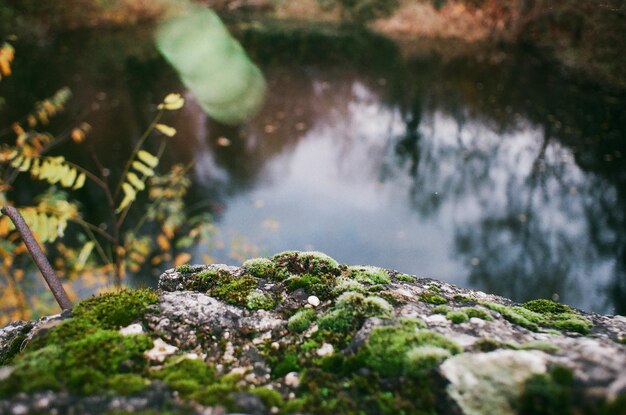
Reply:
x=490 y=169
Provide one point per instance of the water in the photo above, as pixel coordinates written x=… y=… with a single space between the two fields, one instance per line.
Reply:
x=493 y=170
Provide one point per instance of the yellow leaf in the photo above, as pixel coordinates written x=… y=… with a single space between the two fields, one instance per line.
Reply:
x=129 y=195
x=142 y=168
x=163 y=242
x=148 y=158
x=17 y=162
x=84 y=255
x=80 y=181
x=181 y=259
x=26 y=165
x=68 y=179
x=166 y=129
x=172 y=102
x=135 y=181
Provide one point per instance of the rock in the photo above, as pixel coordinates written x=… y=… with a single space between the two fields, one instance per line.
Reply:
x=319 y=337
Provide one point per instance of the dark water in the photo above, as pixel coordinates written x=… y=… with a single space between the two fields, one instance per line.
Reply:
x=494 y=170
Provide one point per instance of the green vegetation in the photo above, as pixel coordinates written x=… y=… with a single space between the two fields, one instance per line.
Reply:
x=116 y=309
x=441 y=309
x=296 y=262
x=321 y=285
x=388 y=348
x=258 y=300
x=369 y=275
x=221 y=285
x=260 y=268
x=184 y=269
x=350 y=311
x=81 y=366
x=549 y=314
x=477 y=312
x=405 y=277
x=457 y=317
x=432 y=298
x=548 y=394
x=301 y=321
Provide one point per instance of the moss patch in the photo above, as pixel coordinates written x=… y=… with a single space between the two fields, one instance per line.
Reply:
x=258 y=300
x=457 y=317
x=297 y=262
x=116 y=309
x=549 y=315
x=369 y=275
x=432 y=298
x=321 y=285
x=301 y=321
x=351 y=310
x=223 y=286
x=81 y=366
x=260 y=268
x=387 y=348
x=548 y=394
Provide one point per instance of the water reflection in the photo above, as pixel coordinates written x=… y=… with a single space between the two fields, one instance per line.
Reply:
x=495 y=171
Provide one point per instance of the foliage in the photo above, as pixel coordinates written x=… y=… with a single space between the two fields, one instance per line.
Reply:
x=109 y=249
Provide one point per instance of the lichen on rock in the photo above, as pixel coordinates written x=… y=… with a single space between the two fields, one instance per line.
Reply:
x=301 y=333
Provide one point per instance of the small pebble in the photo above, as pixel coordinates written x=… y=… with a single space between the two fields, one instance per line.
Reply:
x=313 y=300
x=131 y=330
x=325 y=350
x=292 y=379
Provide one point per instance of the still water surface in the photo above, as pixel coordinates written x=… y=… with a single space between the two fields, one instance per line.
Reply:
x=496 y=171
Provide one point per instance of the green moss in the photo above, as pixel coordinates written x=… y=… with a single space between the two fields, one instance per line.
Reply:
x=126 y=383
x=539 y=345
x=477 y=312
x=321 y=285
x=548 y=394
x=219 y=393
x=289 y=363
x=550 y=315
x=68 y=331
x=412 y=322
x=489 y=345
x=441 y=309
x=297 y=262
x=405 y=277
x=465 y=298
x=547 y=307
x=351 y=310
x=260 y=268
x=258 y=300
x=432 y=298
x=621 y=340
x=222 y=285
x=301 y=321
x=270 y=397
x=80 y=366
x=369 y=275
x=387 y=348
x=422 y=359
x=344 y=284
x=434 y=288
x=578 y=325
x=113 y=310
x=511 y=315
x=187 y=376
x=457 y=317
x=184 y=269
